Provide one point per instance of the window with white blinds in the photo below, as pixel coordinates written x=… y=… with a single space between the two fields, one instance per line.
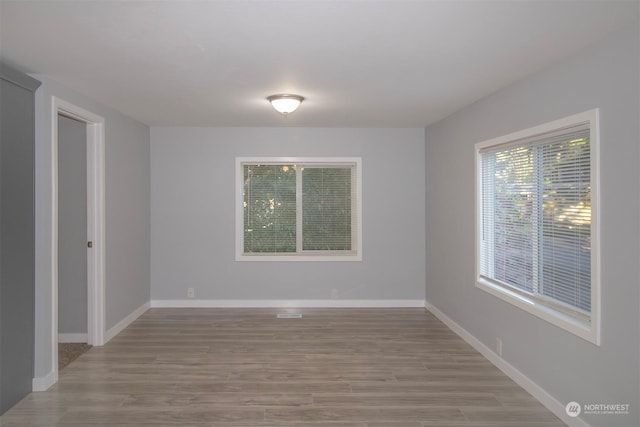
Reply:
x=536 y=221
x=326 y=208
x=298 y=209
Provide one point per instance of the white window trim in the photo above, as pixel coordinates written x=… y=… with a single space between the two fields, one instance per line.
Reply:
x=589 y=331
x=239 y=212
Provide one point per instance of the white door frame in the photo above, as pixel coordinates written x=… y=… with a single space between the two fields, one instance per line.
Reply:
x=95 y=223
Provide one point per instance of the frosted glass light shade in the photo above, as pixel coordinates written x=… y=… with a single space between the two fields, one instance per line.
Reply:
x=284 y=103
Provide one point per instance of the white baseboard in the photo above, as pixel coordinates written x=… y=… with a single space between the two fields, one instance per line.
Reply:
x=63 y=338
x=330 y=303
x=521 y=379
x=119 y=327
x=43 y=383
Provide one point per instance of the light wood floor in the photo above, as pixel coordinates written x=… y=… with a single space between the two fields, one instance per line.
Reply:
x=245 y=367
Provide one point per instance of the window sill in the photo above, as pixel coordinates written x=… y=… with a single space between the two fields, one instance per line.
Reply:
x=585 y=330
x=296 y=258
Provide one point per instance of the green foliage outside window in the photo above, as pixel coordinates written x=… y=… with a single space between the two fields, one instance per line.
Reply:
x=276 y=194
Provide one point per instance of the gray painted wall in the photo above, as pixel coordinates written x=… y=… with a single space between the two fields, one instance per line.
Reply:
x=127 y=214
x=72 y=226
x=571 y=369
x=17 y=253
x=192 y=215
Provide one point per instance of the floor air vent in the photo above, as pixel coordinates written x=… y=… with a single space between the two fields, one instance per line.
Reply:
x=289 y=316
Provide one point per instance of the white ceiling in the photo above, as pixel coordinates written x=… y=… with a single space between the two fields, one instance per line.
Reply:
x=358 y=63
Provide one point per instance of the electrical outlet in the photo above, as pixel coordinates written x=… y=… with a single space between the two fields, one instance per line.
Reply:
x=499 y=346
x=334 y=294
x=190 y=293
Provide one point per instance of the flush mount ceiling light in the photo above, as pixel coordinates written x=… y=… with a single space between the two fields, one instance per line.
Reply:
x=285 y=103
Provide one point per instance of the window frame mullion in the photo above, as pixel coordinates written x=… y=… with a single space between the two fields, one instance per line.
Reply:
x=299 y=237
x=537 y=231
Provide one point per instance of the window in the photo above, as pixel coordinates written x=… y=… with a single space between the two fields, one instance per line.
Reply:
x=537 y=245
x=298 y=209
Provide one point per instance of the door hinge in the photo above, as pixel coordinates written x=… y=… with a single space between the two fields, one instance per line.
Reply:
x=89 y=244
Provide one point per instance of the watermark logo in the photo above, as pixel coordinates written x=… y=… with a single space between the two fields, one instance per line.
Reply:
x=573 y=409
x=606 y=408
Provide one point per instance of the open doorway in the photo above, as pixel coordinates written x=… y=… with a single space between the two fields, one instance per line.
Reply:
x=78 y=228
x=72 y=240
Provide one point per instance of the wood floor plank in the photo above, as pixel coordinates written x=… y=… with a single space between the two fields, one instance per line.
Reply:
x=265 y=387
x=436 y=398
x=510 y=414
x=247 y=368
x=365 y=414
x=218 y=399
x=156 y=415
x=519 y=423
